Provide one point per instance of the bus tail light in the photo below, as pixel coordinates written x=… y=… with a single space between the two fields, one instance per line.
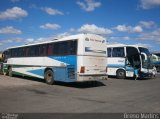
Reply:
x=82 y=70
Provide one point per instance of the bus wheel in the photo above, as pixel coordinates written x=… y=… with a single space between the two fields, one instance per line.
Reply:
x=121 y=74
x=10 y=72
x=49 y=77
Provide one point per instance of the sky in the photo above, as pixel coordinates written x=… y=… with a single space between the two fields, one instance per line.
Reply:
x=119 y=21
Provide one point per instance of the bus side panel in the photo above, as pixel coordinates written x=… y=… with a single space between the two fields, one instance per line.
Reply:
x=31 y=71
x=66 y=70
x=113 y=64
x=35 y=67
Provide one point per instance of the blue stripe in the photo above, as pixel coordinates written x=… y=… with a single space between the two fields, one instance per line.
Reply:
x=120 y=66
x=88 y=49
x=71 y=60
x=115 y=65
x=39 y=72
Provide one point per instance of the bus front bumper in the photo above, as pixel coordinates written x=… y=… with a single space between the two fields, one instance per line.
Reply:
x=145 y=75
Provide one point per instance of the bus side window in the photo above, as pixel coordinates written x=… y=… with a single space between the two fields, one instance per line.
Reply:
x=26 y=52
x=20 y=52
x=63 y=48
x=118 y=52
x=109 y=52
x=23 y=52
x=43 y=50
x=50 y=49
x=14 y=52
x=56 y=49
x=31 y=51
x=72 y=47
x=37 y=50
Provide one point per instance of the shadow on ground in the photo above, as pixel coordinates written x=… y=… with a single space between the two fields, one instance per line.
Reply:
x=86 y=84
x=128 y=78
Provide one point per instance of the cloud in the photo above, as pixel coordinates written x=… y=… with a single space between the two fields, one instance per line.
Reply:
x=43 y=39
x=144 y=45
x=10 y=30
x=11 y=40
x=52 y=11
x=50 y=26
x=137 y=29
x=124 y=28
x=148 y=4
x=13 y=13
x=72 y=30
x=61 y=35
x=154 y=35
x=119 y=38
x=94 y=29
x=32 y=40
x=29 y=40
x=89 y=5
x=147 y=24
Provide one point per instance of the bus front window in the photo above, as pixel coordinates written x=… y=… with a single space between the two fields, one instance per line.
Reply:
x=146 y=58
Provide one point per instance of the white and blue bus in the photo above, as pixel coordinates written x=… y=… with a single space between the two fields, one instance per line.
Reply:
x=72 y=58
x=128 y=61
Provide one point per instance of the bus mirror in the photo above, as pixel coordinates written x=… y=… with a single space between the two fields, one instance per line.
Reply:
x=144 y=56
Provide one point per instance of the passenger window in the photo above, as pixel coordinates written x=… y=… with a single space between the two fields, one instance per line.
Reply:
x=118 y=52
x=50 y=49
x=109 y=51
x=43 y=50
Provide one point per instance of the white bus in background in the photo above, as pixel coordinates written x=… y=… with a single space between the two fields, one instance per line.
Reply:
x=128 y=61
x=73 y=58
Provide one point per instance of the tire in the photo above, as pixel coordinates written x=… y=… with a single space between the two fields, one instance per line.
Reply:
x=49 y=77
x=121 y=74
x=10 y=72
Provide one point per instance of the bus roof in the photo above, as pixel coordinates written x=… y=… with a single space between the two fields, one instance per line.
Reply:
x=65 y=38
x=124 y=45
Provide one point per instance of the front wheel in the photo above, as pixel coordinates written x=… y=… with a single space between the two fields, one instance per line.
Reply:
x=49 y=77
x=121 y=74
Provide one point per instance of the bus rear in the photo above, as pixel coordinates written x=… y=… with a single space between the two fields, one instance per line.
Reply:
x=91 y=58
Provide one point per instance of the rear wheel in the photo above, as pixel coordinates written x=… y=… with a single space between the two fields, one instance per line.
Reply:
x=121 y=74
x=49 y=77
x=10 y=72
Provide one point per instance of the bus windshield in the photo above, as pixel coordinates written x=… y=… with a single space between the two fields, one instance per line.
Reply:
x=146 y=62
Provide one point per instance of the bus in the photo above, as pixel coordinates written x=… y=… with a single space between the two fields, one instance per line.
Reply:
x=129 y=61
x=80 y=57
x=156 y=61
